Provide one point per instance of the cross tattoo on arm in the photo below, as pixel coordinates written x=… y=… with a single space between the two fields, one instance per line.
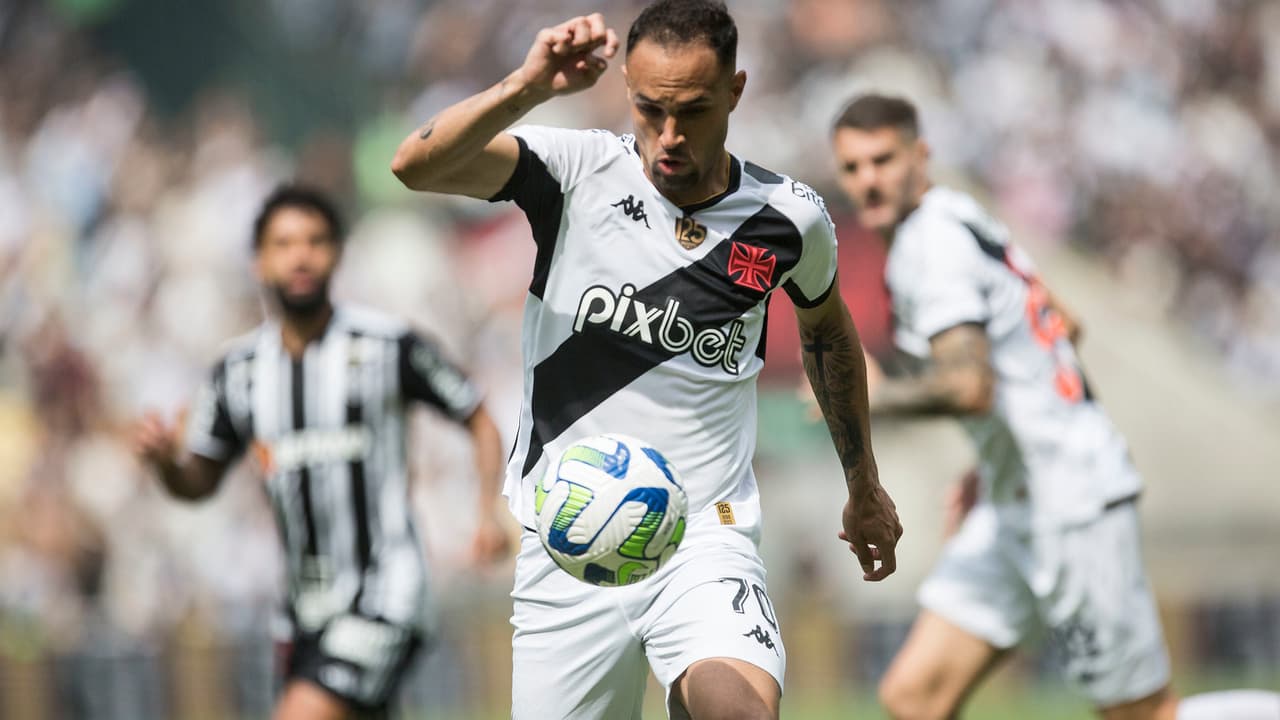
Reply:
x=817 y=347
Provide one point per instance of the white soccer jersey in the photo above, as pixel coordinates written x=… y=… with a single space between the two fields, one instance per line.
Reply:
x=648 y=319
x=1047 y=447
x=328 y=432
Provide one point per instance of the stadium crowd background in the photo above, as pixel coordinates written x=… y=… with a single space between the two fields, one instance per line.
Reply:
x=1133 y=145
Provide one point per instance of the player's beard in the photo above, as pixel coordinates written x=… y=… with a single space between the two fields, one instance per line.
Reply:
x=670 y=185
x=303 y=306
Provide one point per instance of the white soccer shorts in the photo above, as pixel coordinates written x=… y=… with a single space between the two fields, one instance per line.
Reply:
x=579 y=651
x=1086 y=585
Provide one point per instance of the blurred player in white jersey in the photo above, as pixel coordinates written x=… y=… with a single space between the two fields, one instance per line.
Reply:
x=657 y=254
x=318 y=393
x=1048 y=528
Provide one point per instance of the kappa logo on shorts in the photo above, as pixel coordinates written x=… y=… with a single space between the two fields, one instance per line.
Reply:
x=763 y=637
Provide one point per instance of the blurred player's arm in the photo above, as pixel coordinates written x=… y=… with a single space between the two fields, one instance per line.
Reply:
x=463 y=150
x=491 y=540
x=834 y=363
x=184 y=474
x=958 y=380
x=426 y=376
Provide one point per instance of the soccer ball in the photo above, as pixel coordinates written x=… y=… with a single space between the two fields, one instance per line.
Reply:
x=611 y=510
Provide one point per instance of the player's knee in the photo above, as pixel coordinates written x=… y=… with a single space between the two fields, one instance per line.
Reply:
x=905 y=698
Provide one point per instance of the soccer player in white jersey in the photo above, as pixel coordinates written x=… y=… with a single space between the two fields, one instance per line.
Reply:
x=319 y=394
x=656 y=256
x=1053 y=536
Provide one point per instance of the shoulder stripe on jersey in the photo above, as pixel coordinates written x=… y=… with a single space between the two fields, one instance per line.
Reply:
x=988 y=246
x=296 y=367
x=591 y=366
x=761 y=175
x=537 y=193
x=359 y=497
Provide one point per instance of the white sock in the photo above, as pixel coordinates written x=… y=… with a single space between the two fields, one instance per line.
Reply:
x=1231 y=705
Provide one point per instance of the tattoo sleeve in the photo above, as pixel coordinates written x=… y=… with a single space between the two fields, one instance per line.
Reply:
x=833 y=362
x=958 y=380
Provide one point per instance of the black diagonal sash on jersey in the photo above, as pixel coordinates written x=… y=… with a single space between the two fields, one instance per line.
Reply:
x=592 y=365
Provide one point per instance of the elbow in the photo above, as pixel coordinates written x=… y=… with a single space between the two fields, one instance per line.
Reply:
x=402 y=166
x=413 y=170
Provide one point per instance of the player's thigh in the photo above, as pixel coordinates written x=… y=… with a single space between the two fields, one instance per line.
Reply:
x=936 y=669
x=978 y=584
x=724 y=688
x=303 y=700
x=1104 y=626
x=713 y=605
x=574 y=654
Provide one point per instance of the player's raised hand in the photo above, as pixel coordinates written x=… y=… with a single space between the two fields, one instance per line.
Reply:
x=155 y=441
x=871 y=529
x=563 y=58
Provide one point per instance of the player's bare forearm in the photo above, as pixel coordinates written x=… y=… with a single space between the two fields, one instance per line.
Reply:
x=459 y=151
x=491 y=542
x=833 y=362
x=486 y=444
x=835 y=365
x=959 y=379
x=463 y=150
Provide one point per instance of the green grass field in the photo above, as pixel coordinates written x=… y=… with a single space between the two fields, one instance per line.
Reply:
x=1003 y=699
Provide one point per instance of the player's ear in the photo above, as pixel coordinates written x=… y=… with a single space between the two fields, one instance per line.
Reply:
x=923 y=151
x=739 y=83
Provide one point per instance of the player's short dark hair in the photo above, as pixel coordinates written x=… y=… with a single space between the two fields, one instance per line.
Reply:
x=680 y=22
x=873 y=111
x=298 y=196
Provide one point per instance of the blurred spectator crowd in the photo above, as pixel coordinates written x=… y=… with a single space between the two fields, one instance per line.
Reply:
x=1142 y=132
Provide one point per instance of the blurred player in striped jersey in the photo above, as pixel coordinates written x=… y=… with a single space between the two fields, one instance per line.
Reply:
x=319 y=395
x=1047 y=527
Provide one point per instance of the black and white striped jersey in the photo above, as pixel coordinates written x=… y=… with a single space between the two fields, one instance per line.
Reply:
x=328 y=432
x=648 y=319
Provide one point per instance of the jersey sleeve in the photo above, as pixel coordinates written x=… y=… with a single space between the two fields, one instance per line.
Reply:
x=426 y=376
x=950 y=288
x=210 y=432
x=814 y=275
x=551 y=162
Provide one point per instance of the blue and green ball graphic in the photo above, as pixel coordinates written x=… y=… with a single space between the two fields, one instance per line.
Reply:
x=611 y=510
